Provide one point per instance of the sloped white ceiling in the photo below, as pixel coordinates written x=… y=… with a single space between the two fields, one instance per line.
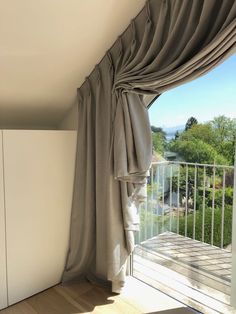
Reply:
x=48 y=47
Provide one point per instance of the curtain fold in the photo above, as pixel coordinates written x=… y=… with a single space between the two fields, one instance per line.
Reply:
x=169 y=43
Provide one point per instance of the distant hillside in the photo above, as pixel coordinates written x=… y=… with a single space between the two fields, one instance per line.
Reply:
x=170 y=132
x=173 y=129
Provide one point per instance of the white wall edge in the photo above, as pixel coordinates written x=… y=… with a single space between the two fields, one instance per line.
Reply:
x=3 y=264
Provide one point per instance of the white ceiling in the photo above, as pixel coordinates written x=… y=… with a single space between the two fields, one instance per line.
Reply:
x=48 y=47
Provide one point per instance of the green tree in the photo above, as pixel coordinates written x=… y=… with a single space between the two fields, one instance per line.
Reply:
x=158 y=143
x=203 y=132
x=225 y=133
x=191 y=121
x=177 y=135
x=197 y=151
x=225 y=128
x=158 y=139
x=218 y=135
x=157 y=129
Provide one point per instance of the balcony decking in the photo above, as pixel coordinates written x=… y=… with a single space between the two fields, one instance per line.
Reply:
x=198 y=255
x=192 y=271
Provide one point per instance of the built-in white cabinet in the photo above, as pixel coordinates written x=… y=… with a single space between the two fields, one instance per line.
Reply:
x=36 y=186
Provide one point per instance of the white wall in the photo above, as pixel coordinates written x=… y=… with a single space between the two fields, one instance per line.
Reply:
x=3 y=282
x=70 y=120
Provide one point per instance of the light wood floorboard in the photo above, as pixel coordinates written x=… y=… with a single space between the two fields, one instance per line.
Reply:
x=85 y=297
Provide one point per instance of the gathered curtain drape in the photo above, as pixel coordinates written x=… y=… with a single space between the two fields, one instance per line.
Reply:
x=170 y=42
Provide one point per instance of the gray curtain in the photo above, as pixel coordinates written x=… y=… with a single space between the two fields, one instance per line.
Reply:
x=170 y=42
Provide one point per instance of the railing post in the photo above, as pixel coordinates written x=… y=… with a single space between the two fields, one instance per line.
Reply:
x=213 y=207
x=129 y=269
x=158 y=189
x=171 y=208
x=186 y=203
x=163 y=200
x=178 y=183
x=233 y=279
x=223 y=212
x=151 y=209
x=204 y=203
x=194 y=202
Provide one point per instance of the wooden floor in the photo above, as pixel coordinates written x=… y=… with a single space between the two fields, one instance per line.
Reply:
x=191 y=271
x=85 y=297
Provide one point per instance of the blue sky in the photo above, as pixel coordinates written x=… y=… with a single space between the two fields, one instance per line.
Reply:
x=204 y=98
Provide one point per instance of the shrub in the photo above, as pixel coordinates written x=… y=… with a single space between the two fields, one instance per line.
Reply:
x=207 y=226
x=219 y=196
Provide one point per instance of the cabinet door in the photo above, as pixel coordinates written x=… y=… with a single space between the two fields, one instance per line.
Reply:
x=39 y=174
x=3 y=283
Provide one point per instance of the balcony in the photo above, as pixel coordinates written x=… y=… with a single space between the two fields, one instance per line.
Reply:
x=183 y=250
x=184 y=244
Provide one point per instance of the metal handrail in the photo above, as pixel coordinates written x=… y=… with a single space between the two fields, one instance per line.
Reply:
x=191 y=164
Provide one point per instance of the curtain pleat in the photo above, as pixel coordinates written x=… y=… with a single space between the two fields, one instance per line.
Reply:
x=169 y=43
